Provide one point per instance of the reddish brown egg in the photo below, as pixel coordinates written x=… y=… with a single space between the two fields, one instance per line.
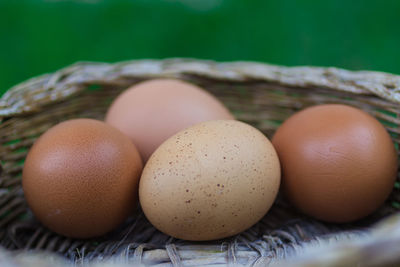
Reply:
x=339 y=163
x=81 y=177
x=152 y=111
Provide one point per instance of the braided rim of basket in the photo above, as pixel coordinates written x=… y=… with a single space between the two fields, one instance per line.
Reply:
x=35 y=93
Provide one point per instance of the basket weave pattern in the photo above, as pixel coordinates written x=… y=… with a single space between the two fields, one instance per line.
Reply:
x=260 y=94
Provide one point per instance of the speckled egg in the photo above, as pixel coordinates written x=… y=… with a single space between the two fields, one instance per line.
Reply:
x=210 y=181
x=81 y=178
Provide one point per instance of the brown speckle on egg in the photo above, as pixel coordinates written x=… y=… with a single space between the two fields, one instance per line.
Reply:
x=220 y=195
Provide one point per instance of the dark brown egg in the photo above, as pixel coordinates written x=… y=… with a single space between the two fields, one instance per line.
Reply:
x=339 y=163
x=81 y=178
x=152 y=111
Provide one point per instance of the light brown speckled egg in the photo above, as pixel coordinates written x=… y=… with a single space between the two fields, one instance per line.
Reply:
x=81 y=178
x=210 y=181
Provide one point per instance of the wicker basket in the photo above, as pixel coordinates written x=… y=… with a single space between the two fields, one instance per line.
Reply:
x=260 y=94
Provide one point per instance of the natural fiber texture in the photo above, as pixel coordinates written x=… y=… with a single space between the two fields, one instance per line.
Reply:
x=262 y=95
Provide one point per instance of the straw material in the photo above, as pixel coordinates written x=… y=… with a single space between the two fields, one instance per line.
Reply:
x=260 y=94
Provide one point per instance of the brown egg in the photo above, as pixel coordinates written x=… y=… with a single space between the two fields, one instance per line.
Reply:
x=210 y=181
x=81 y=177
x=339 y=164
x=152 y=111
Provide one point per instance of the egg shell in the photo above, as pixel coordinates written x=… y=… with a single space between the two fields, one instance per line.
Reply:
x=210 y=181
x=152 y=111
x=339 y=163
x=81 y=178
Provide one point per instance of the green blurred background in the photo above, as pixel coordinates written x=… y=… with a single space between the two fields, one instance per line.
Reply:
x=38 y=36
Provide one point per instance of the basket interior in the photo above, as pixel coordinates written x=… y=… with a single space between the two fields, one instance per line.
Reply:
x=265 y=105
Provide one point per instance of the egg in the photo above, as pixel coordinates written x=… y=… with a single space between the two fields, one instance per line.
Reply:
x=339 y=164
x=81 y=178
x=154 y=110
x=210 y=181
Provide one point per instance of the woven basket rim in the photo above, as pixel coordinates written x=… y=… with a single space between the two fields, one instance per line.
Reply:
x=381 y=84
